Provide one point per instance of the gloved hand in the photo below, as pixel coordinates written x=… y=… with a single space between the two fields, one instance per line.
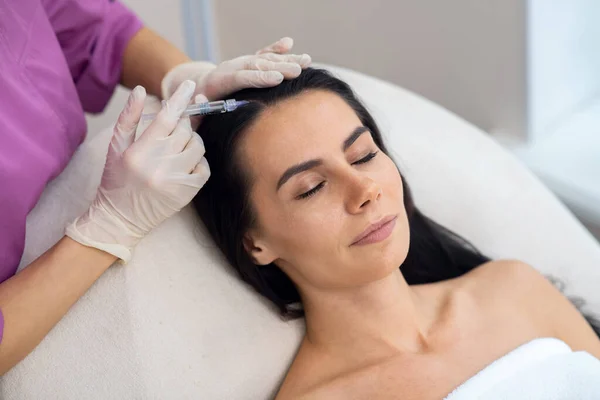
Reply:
x=146 y=181
x=268 y=67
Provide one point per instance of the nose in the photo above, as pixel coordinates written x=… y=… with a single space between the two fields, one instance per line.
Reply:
x=365 y=192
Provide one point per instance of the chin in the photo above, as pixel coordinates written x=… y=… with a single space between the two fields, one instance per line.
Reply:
x=392 y=254
x=384 y=260
x=376 y=261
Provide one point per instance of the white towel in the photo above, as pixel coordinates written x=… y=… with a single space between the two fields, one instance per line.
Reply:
x=543 y=368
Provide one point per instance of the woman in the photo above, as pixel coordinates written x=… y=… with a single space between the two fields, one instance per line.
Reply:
x=63 y=57
x=308 y=207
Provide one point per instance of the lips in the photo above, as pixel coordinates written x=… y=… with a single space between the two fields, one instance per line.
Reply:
x=376 y=231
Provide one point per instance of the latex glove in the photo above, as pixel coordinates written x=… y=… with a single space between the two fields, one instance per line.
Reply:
x=146 y=181
x=268 y=67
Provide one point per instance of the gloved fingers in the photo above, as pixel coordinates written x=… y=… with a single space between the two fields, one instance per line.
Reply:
x=192 y=154
x=196 y=120
x=196 y=179
x=169 y=115
x=223 y=83
x=201 y=172
x=200 y=98
x=281 y=46
x=303 y=60
x=257 y=79
x=126 y=126
x=288 y=70
x=179 y=138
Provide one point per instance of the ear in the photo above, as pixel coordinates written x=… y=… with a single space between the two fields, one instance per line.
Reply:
x=259 y=252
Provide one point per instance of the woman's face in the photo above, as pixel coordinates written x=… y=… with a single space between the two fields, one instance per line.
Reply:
x=318 y=181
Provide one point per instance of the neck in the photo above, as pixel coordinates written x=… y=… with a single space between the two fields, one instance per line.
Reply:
x=375 y=318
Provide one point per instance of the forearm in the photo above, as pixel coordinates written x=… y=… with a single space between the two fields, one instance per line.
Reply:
x=35 y=299
x=147 y=59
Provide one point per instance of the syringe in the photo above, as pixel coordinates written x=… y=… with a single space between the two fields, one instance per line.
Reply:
x=213 y=107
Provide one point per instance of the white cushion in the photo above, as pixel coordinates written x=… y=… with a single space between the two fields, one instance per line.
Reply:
x=176 y=323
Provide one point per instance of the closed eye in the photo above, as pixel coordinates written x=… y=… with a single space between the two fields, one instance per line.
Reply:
x=366 y=159
x=314 y=190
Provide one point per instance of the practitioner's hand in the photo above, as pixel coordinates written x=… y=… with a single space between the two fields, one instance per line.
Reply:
x=268 y=67
x=146 y=181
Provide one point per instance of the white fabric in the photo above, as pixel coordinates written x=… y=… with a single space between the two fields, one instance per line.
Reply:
x=176 y=323
x=543 y=369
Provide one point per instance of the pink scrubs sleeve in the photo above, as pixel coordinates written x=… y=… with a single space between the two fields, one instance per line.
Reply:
x=93 y=35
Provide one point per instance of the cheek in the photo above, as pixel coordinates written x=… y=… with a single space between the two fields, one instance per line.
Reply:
x=308 y=243
x=390 y=180
x=296 y=233
x=312 y=230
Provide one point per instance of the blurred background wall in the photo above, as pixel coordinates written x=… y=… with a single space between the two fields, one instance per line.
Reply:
x=464 y=54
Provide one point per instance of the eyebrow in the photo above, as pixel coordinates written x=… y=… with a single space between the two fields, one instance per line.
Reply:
x=306 y=165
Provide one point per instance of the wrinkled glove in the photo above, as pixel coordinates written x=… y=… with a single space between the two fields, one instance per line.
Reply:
x=146 y=181
x=268 y=67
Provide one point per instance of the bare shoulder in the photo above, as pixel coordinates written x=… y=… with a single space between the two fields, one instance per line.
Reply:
x=304 y=376
x=507 y=271
x=497 y=291
x=316 y=376
x=513 y=280
x=512 y=283
x=527 y=292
